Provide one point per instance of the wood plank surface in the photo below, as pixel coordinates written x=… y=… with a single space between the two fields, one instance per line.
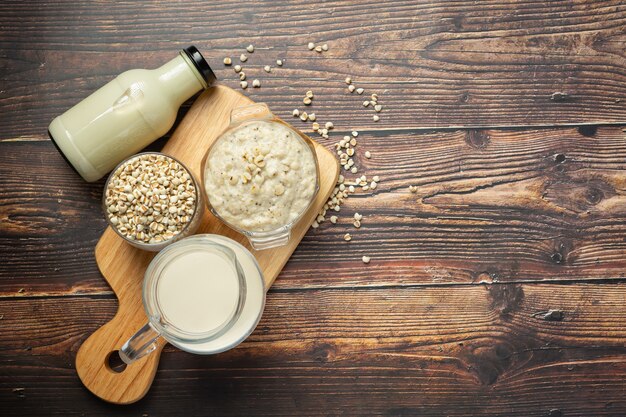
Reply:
x=492 y=205
x=450 y=64
x=497 y=289
x=432 y=351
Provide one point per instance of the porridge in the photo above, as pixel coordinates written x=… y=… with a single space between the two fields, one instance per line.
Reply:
x=260 y=176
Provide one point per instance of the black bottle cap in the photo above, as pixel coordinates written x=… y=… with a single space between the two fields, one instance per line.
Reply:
x=201 y=65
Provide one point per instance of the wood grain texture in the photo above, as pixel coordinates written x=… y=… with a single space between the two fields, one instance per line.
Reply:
x=443 y=320
x=492 y=205
x=458 y=63
x=456 y=351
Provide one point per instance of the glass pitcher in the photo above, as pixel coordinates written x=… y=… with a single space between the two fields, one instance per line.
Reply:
x=203 y=294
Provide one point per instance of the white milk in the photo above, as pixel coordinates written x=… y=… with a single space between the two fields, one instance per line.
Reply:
x=192 y=287
x=198 y=291
x=206 y=315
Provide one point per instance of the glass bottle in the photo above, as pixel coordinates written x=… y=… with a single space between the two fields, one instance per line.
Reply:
x=128 y=113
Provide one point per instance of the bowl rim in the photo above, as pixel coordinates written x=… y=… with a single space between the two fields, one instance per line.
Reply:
x=283 y=228
x=179 y=235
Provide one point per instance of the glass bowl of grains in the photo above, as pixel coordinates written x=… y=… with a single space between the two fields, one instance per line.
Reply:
x=152 y=200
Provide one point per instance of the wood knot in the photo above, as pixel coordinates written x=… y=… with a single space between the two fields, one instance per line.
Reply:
x=559 y=158
x=507 y=298
x=561 y=250
x=20 y=392
x=485 y=277
x=560 y=96
x=477 y=139
x=549 y=315
x=458 y=22
x=489 y=362
x=578 y=194
x=464 y=98
x=594 y=195
x=322 y=352
x=589 y=130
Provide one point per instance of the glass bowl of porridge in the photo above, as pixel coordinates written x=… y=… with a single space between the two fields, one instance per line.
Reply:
x=260 y=176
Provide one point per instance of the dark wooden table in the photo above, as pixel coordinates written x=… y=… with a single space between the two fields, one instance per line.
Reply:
x=509 y=118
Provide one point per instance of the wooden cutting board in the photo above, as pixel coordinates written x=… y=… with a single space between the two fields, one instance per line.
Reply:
x=123 y=266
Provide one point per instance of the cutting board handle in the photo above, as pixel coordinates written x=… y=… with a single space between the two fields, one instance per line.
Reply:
x=97 y=361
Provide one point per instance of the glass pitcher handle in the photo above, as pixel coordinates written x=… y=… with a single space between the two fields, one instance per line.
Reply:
x=140 y=344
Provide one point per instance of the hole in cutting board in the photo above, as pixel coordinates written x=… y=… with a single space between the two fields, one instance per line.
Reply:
x=115 y=363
